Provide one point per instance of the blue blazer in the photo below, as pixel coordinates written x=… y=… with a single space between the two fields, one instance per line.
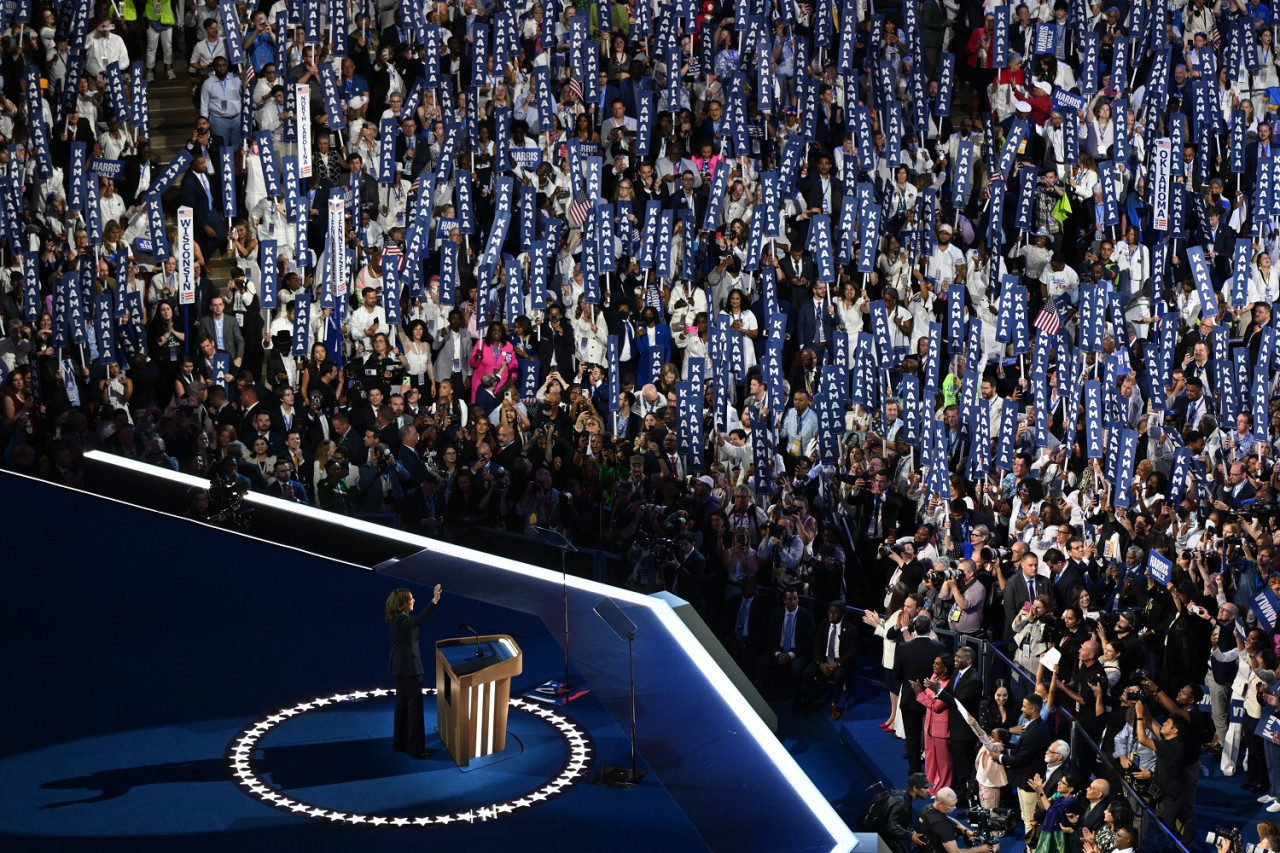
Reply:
x=662 y=342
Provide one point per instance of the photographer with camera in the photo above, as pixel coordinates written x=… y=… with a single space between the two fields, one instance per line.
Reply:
x=940 y=831
x=968 y=598
x=540 y=503
x=781 y=553
x=889 y=815
x=1172 y=742
x=382 y=481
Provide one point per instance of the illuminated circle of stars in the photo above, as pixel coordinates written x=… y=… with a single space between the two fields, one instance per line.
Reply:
x=240 y=759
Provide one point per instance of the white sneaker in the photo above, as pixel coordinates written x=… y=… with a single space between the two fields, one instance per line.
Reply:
x=169 y=73
x=151 y=75
x=1266 y=798
x=1273 y=808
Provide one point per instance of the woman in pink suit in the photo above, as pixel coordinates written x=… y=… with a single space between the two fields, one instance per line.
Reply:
x=937 y=725
x=494 y=354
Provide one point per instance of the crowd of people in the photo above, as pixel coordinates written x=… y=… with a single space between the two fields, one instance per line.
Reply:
x=957 y=313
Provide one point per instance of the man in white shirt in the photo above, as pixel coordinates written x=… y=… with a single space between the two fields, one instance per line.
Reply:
x=1060 y=280
x=368 y=320
x=104 y=48
x=110 y=204
x=202 y=55
x=946 y=264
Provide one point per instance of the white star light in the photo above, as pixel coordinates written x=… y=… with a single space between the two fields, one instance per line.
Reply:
x=240 y=758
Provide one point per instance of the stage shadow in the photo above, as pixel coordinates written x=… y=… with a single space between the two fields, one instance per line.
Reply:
x=113 y=784
x=310 y=765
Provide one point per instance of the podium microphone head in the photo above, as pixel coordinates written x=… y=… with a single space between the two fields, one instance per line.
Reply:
x=464 y=626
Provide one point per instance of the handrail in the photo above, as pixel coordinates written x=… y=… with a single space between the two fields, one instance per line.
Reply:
x=1078 y=731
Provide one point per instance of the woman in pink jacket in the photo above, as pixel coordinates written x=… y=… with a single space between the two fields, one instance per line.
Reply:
x=494 y=354
x=937 y=725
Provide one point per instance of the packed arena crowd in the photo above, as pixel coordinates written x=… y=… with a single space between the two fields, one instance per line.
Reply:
x=946 y=317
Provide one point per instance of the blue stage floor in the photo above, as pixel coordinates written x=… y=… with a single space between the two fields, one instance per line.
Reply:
x=139 y=648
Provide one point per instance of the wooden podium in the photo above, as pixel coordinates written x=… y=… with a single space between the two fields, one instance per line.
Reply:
x=472 y=692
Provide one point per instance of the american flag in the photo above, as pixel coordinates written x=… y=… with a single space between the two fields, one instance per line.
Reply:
x=393 y=252
x=249 y=76
x=1048 y=320
x=580 y=208
x=574 y=89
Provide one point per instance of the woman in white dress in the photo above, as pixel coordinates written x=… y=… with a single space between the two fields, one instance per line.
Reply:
x=849 y=308
x=893 y=265
x=742 y=323
x=590 y=333
x=694 y=344
x=1135 y=259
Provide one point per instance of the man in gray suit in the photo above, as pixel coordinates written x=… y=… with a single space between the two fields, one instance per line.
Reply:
x=222 y=329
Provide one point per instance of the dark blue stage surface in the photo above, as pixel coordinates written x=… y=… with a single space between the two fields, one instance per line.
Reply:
x=176 y=686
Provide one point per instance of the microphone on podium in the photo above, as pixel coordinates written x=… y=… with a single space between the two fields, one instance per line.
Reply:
x=463 y=626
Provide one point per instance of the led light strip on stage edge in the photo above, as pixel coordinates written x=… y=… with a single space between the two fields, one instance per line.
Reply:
x=841 y=834
x=240 y=758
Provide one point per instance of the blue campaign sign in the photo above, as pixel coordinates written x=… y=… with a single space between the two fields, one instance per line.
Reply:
x=1000 y=37
x=1265 y=606
x=1159 y=567
x=1268 y=726
x=1204 y=285
x=946 y=84
x=1093 y=419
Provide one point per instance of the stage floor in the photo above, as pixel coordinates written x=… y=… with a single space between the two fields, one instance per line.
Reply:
x=145 y=649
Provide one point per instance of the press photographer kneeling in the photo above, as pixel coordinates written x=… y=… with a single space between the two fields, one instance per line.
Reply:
x=941 y=831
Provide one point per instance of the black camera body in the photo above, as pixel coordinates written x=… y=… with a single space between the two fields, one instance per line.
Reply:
x=991 y=825
x=940 y=576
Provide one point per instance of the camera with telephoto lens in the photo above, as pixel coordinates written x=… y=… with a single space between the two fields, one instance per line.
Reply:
x=991 y=825
x=938 y=577
x=226 y=503
x=1233 y=836
x=1108 y=619
x=1135 y=690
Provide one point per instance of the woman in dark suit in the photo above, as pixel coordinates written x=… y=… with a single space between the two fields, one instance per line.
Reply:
x=406 y=665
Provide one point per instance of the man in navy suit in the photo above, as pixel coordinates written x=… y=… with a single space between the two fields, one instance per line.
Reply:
x=913 y=661
x=1066 y=577
x=1232 y=494
x=965 y=689
x=200 y=194
x=835 y=647
x=406 y=665
x=1027 y=760
x=816 y=322
x=787 y=644
x=286 y=488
